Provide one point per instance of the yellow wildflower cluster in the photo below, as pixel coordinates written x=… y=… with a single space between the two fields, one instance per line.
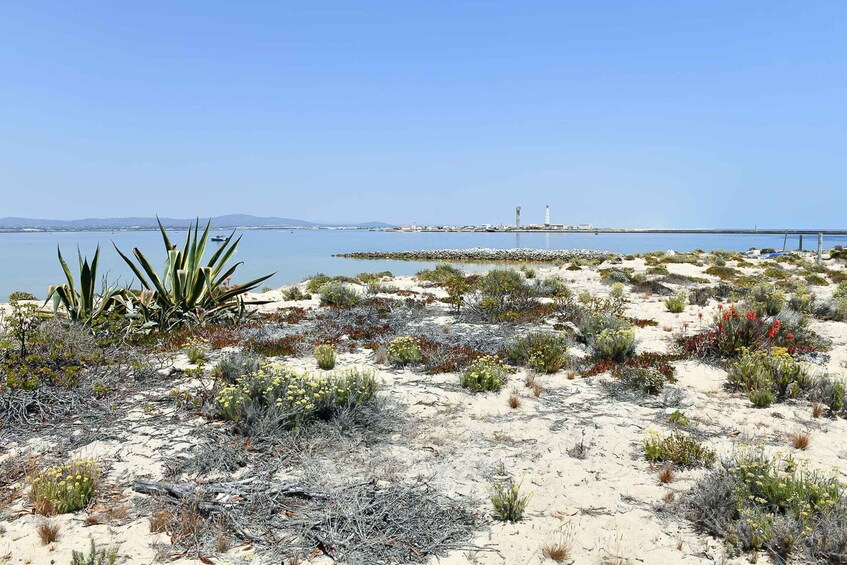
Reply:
x=293 y=395
x=64 y=488
x=404 y=351
x=485 y=374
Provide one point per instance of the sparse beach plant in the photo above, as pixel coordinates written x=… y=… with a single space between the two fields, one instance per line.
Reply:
x=325 y=356
x=503 y=295
x=678 y=448
x=402 y=351
x=509 y=504
x=21 y=295
x=64 y=488
x=485 y=374
x=677 y=302
x=95 y=556
x=679 y=418
x=295 y=293
x=197 y=350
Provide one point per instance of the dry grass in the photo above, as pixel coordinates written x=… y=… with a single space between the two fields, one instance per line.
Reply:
x=571 y=375
x=537 y=388
x=159 y=522
x=514 y=400
x=380 y=355
x=221 y=543
x=666 y=474
x=818 y=409
x=669 y=496
x=800 y=440
x=48 y=532
x=558 y=551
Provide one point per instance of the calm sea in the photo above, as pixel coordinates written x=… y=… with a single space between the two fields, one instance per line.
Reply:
x=29 y=259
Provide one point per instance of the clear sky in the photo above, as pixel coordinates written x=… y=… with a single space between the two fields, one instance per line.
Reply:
x=658 y=113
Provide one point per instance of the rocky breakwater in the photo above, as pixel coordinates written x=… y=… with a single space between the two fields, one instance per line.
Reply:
x=485 y=254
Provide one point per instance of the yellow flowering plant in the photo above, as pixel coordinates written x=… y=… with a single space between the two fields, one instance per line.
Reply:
x=64 y=488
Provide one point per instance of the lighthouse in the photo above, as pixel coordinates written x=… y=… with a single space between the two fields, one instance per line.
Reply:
x=518 y=217
x=547 y=216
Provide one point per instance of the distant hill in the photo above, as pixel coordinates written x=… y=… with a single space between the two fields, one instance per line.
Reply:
x=228 y=221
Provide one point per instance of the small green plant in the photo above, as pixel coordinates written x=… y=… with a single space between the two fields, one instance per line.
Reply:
x=19 y=295
x=325 y=356
x=678 y=418
x=769 y=375
x=677 y=448
x=197 y=351
x=64 y=488
x=484 y=374
x=96 y=556
x=544 y=352
x=509 y=504
x=614 y=344
x=528 y=271
x=677 y=302
x=84 y=304
x=338 y=294
x=439 y=275
x=404 y=351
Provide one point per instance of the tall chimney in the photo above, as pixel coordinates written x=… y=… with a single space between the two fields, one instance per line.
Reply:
x=547 y=215
x=518 y=217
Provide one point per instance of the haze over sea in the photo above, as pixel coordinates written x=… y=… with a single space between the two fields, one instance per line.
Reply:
x=297 y=254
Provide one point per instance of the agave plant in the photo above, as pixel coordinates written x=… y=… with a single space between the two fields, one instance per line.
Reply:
x=188 y=290
x=83 y=304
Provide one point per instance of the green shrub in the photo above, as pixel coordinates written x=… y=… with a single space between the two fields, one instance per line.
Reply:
x=21 y=295
x=677 y=448
x=440 y=274
x=325 y=356
x=758 y=502
x=766 y=301
x=338 y=294
x=816 y=280
x=64 y=488
x=96 y=556
x=617 y=290
x=528 y=271
x=644 y=379
x=484 y=375
x=723 y=273
x=367 y=278
x=457 y=287
x=760 y=397
x=553 y=286
x=292 y=398
x=543 y=352
x=509 y=504
x=614 y=344
x=504 y=296
x=658 y=270
x=404 y=351
x=677 y=302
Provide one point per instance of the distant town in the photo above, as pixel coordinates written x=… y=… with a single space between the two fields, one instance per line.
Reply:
x=516 y=227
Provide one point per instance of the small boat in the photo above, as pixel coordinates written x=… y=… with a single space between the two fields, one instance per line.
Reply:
x=218 y=238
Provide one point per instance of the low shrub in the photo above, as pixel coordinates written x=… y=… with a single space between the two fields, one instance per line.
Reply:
x=485 y=374
x=295 y=293
x=614 y=344
x=325 y=356
x=815 y=279
x=64 y=488
x=197 y=351
x=234 y=365
x=19 y=295
x=643 y=379
x=440 y=274
x=677 y=448
x=338 y=294
x=503 y=295
x=509 y=504
x=723 y=273
x=544 y=352
x=766 y=301
x=291 y=398
x=768 y=375
x=757 y=502
x=404 y=351
x=733 y=332
x=679 y=418
x=677 y=302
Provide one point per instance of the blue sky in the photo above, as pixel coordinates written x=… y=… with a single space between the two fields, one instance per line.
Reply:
x=671 y=114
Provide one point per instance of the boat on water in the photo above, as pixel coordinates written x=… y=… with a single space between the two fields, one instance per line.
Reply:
x=218 y=238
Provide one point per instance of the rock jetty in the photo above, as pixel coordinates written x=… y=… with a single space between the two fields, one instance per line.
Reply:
x=485 y=254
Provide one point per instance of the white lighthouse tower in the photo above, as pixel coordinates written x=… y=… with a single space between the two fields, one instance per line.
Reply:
x=547 y=216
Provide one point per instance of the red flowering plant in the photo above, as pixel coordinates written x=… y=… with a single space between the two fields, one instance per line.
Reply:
x=733 y=331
